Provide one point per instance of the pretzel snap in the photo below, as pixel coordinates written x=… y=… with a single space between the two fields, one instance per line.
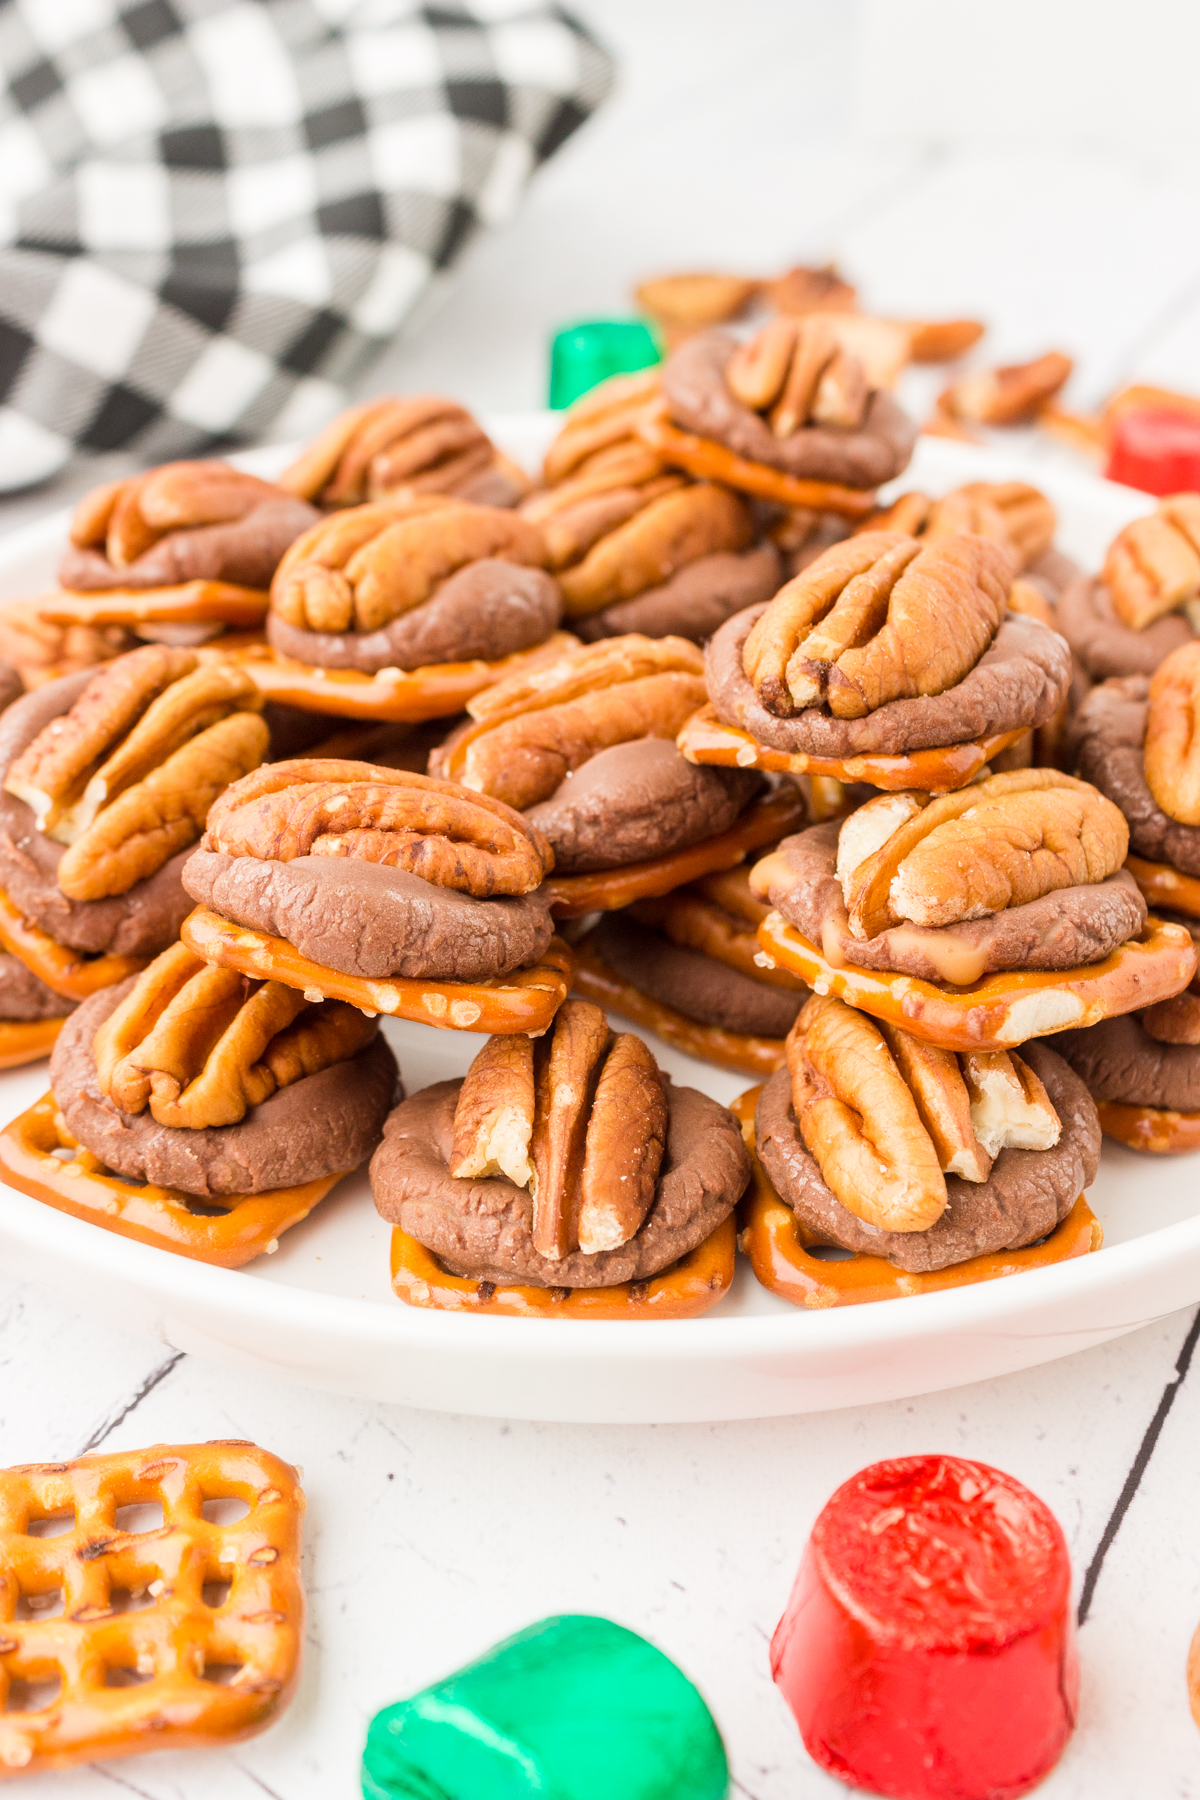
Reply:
x=186 y=603
x=705 y=739
x=435 y=829
x=694 y=1285
x=708 y=460
x=26 y=1040
x=999 y=1011
x=780 y=1250
x=41 y=1158
x=1157 y=1130
x=1161 y=885
x=526 y=1000
x=211 y=1656
x=402 y=696
x=64 y=971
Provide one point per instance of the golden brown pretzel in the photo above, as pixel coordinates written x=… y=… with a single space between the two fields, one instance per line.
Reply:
x=1154 y=1129
x=188 y=1668
x=526 y=1000
x=1161 y=885
x=313 y=806
x=704 y=739
x=164 y=1217
x=692 y=1286
x=709 y=461
x=186 y=603
x=779 y=1249
x=66 y=972
x=401 y=696
x=718 y=916
x=999 y=1011
x=27 y=1040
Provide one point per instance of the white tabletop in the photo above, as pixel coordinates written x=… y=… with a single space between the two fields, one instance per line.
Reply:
x=429 y=1537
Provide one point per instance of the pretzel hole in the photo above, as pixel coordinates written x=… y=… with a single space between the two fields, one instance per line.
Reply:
x=127 y=1600
x=128 y=1677
x=46 y=1605
x=204 y=1209
x=829 y=1252
x=215 y=1593
x=224 y=1509
x=51 y=1525
x=221 y=1674
x=139 y=1516
x=32 y=1695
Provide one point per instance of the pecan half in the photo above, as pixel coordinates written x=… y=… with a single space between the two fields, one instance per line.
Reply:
x=578 y=1119
x=363 y=568
x=126 y=518
x=125 y=777
x=1013 y=513
x=799 y=373
x=423 y=444
x=999 y=843
x=532 y=737
x=605 y=418
x=151 y=821
x=875 y=619
x=686 y=303
x=201 y=1045
x=436 y=829
x=888 y=1117
x=493 y=1119
x=1172 y=754
x=1153 y=564
x=942 y=340
x=807 y=290
x=664 y=533
x=1010 y=395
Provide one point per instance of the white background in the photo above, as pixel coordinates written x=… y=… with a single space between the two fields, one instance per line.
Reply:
x=1037 y=164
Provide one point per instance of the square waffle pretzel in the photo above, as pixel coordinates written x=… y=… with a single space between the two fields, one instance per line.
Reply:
x=191 y=1668
x=226 y=1234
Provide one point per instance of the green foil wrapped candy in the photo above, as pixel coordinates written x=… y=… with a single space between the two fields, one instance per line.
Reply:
x=573 y=1708
x=584 y=355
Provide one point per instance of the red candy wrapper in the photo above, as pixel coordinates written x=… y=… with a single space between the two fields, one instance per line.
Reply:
x=928 y=1649
x=1156 y=450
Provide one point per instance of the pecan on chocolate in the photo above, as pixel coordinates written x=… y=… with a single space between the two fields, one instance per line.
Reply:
x=200 y=1045
x=386 y=448
x=360 y=569
x=602 y=424
x=181 y=522
x=1153 y=564
x=531 y=731
x=438 y=830
x=875 y=619
x=1172 y=753
x=808 y=290
x=1001 y=842
x=1012 y=513
x=667 y=526
x=126 y=776
x=578 y=1119
x=888 y=1117
x=1010 y=395
x=797 y=373
x=41 y=651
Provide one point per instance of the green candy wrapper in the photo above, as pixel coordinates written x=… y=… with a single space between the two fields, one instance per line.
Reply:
x=584 y=355
x=572 y=1708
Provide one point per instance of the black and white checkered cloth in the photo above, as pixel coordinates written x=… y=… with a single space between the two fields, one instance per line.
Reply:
x=213 y=213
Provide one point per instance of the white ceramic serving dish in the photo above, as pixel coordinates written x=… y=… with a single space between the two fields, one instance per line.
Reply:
x=321 y=1310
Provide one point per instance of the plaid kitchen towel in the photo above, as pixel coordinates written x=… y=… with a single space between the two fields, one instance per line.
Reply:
x=214 y=212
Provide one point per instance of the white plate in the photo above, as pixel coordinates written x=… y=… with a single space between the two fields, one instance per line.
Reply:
x=321 y=1309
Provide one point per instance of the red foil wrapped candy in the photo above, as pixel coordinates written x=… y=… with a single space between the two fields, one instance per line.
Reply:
x=928 y=1648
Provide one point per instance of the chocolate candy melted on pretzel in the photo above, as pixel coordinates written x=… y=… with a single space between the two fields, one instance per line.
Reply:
x=433 y=829
x=185 y=521
x=127 y=775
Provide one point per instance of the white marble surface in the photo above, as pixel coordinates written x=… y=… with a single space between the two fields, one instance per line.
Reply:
x=428 y=1536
